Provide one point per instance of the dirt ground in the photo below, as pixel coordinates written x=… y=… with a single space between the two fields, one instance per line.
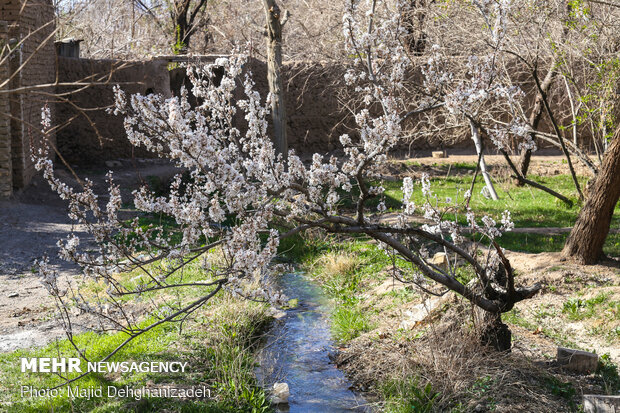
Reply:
x=30 y=225
x=545 y=162
x=563 y=281
x=424 y=337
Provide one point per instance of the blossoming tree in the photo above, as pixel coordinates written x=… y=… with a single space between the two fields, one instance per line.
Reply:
x=242 y=198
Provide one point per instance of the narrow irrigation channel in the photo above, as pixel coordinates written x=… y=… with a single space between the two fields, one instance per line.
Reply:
x=297 y=352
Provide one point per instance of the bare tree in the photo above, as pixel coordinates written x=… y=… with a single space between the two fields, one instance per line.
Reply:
x=187 y=17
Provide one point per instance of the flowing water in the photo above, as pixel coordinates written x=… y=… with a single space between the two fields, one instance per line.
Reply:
x=297 y=352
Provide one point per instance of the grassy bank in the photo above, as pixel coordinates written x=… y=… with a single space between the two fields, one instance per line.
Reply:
x=438 y=366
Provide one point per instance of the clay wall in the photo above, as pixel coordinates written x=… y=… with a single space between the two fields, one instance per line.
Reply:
x=32 y=65
x=90 y=135
x=6 y=169
x=316 y=108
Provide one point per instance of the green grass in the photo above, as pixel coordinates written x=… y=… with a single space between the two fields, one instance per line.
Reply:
x=342 y=268
x=348 y=322
x=607 y=373
x=218 y=344
x=580 y=309
x=408 y=396
x=530 y=207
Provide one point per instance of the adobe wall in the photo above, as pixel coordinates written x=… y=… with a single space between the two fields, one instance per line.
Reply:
x=314 y=101
x=6 y=169
x=77 y=140
x=32 y=62
x=315 y=118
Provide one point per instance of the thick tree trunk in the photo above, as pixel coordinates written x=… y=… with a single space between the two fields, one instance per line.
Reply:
x=496 y=334
x=585 y=242
x=181 y=41
x=275 y=21
x=186 y=16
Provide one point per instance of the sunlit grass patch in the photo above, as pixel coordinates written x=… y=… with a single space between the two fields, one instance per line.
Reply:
x=218 y=344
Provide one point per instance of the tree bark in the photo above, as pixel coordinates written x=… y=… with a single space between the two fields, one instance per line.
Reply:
x=534 y=120
x=586 y=239
x=184 y=18
x=413 y=22
x=495 y=333
x=275 y=22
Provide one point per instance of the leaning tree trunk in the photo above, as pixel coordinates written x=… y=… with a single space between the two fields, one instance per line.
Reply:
x=275 y=22
x=586 y=239
x=475 y=135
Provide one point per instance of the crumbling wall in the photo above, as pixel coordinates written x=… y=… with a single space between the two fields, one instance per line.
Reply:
x=90 y=135
x=315 y=118
x=315 y=99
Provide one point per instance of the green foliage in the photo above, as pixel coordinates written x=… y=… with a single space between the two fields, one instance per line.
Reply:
x=529 y=207
x=481 y=386
x=579 y=309
x=179 y=45
x=404 y=396
x=559 y=388
x=219 y=349
x=349 y=321
x=607 y=372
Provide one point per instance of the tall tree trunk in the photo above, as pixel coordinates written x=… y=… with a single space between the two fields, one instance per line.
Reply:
x=275 y=21
x=413 y=22
x=586 y=239
x=182 y=37
x=187 y=16
x=534 y=120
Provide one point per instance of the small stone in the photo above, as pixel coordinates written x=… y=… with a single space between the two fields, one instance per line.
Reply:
x=440 y=260
x=13 y=295
x=279 y=393
x=576 y=360
x=439 y=154
x=595 y=403
x=276 y=313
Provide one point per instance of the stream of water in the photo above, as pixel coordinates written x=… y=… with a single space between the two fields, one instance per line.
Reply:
x=297 y=352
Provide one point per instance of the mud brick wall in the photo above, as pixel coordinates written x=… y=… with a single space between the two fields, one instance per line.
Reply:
x=32 y=64
x=314 y=102
x=6 y=170
x=91 y=135
x=315 y=118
